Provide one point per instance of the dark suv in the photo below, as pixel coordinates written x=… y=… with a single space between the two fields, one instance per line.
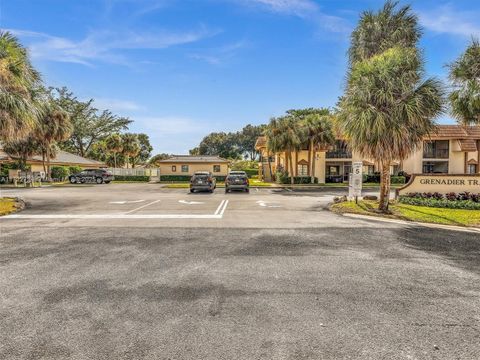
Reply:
x=237 y=180
x=203 y=180
x=98 y=176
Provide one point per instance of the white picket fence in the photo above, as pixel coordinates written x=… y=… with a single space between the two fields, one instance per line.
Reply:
x=153 y=173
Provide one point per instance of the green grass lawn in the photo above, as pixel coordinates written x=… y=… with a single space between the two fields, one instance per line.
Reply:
x=444 y=216
x=7 y=206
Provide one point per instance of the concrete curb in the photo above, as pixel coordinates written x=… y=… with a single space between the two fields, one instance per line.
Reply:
x=415 y=223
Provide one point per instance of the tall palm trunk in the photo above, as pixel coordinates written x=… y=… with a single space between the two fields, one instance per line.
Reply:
x=115 y=160
x=269 y=166
x=292 y=176
x=313 y=167
x=286 y=162
x=43 y=162
x=310 y=150
x=384 y=186
x=49 y=170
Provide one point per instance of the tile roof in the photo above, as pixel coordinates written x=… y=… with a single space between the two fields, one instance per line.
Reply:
x=456 y=132
x=469 y=145
x=62 y=158
x=194 y=159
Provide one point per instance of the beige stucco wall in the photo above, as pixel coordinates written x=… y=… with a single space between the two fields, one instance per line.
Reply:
x=456 y=159
x=414 y=163
x=166 y=169
x=443 y=184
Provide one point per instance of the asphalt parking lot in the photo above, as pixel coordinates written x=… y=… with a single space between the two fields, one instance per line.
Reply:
x=134 y=271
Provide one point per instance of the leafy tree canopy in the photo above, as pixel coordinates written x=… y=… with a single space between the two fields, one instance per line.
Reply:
x=89 y=124
x=465 y=77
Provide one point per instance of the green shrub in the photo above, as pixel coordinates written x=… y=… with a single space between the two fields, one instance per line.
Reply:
x=181 y=178
x=132 y=178
x=439 y=203
x=284 y=179
x=250 y=172
x=59 y=172
x=74 y=170
x=375 y=178
x=184 y=178
x=243 y=164
x=397 y=179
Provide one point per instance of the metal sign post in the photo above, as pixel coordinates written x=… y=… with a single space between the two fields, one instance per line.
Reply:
x=355 y=181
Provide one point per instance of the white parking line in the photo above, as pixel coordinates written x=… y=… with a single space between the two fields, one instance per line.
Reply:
x=219 y=207
x=217 y=215
x=141 y=207
x=225 y=204
x=113 y=216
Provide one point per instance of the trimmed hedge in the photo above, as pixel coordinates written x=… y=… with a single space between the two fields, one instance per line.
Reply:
x=463 y=200
x=184 y=178
x=132 y=178
x=175 y=178
x=284 y=179
x=60 y=172
x=375 y=178
x=250 y=172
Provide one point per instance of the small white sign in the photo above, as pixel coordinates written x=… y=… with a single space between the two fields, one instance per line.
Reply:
x=355 y=180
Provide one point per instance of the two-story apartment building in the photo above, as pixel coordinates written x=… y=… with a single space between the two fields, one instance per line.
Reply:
x=452 y=149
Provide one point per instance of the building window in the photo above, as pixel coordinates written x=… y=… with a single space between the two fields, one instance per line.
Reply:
x=339 y=151
x=174 y=168
x=368 y=169
x=435 y=167
x=437 y=149
x=472 y=169
x=302 y=170
x=185 y=168
x=216 y=168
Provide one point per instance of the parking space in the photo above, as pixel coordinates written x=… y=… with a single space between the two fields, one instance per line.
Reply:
x=140 y=271
x=151 y=202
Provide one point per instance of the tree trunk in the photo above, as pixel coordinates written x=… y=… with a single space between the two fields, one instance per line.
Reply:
x=114 y=160
x=269 y=167
x=384 y=186
x=287 y=170
x=292 y=177
x=49 y=170
x=313 y=168
x=310 y=149
x=296 y=163
x=43 y=162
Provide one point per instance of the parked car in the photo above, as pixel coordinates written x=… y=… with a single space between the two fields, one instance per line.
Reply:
x=98 y=176
x=203 y=181
x=237 y=180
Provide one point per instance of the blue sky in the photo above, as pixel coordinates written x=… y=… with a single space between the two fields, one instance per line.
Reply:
x=183 y=68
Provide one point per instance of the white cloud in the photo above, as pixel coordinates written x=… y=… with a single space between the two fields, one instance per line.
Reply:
x=305 y=9
x=105 y=46
x=445 y=19
x=293 y=7
x=220 y=55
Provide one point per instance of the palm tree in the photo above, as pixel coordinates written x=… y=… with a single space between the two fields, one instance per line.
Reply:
x=18 y=84
x=387 y=108
x=54 y=126
x=465 y=77
x=319 y=134
x=130 y=146
x=114 y=146
x=23 y=149
x=272 y=133
x=291 y=140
